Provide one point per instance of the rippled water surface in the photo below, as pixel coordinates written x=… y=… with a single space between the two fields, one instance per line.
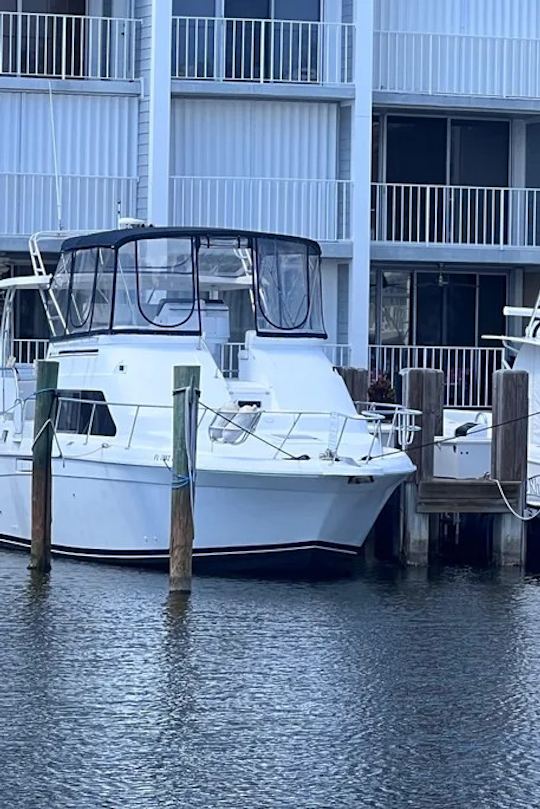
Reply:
x=397 y=689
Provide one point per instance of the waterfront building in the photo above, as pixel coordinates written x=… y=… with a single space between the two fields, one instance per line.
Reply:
x=403 y=135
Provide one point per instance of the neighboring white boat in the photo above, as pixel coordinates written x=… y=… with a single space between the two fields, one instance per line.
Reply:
x=299 y=475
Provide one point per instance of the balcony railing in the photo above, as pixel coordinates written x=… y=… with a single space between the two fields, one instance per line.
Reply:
x=455 y=215
x=456 y=64
x=30 y=202
x=67 y=47
x=229 y=353
x=467 y=371
x=218 y=49
x=318 y=209
x=27 y=351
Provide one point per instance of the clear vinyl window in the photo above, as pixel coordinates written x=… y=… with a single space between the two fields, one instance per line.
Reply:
x=288 y=288
x=156 y=286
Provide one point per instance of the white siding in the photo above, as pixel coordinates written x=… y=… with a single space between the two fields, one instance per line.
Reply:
x=95 y=135
x=97 y=160
x=504 y=18
x=213 y=138
x=10 y=106
x=143 y=12
x=465 y=47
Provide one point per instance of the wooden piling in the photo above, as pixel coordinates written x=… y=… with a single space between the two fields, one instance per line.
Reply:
x=186 y=381
x=356 y=381
x=422 y=390
x=45 y=413
x=509 y=461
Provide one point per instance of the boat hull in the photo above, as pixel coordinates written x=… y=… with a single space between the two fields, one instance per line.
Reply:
x=121 y=513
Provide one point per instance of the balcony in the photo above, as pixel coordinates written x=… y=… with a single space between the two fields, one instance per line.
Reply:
x=414 y=62
x=455 y=215
x=67 y=47
x=467 y=370
x=32 y=202
x=317 y=209
x=274 y=51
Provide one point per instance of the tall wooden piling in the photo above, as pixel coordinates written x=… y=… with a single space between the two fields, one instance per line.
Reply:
x=45 y=414
x=509 y=461
x=186 y=381
x=356 y=381
x=422 y=390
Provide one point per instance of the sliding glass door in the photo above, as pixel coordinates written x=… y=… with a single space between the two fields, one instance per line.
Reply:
x=479 y=158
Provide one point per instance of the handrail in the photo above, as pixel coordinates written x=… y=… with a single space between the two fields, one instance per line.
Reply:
x=67 y=46
x=313 y=207
x=402 y=428
x=262 y=50
x=479 y=216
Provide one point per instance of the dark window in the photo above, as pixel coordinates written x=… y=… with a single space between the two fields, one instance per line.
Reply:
x=84 y=412
x=416 y=150
x=479 y=168
x=193 y=8
x=415 y=158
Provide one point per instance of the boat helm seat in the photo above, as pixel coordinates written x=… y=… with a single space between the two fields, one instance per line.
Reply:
x=231 y=426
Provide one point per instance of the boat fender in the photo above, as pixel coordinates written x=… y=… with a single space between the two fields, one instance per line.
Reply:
x=464 y=429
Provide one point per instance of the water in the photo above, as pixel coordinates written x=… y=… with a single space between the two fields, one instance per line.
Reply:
x=397 y=689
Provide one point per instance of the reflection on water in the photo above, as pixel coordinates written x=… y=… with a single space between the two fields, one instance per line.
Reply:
x=396 y=689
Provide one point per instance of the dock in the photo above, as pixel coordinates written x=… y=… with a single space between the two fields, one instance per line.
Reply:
x=410 y=528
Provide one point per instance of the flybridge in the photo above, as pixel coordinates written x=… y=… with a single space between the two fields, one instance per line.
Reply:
x=184 y=281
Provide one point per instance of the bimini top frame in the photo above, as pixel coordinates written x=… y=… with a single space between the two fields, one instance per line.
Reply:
x=147 y=279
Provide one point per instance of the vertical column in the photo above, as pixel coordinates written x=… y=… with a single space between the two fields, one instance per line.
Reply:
x=516 y=207
x=509 y=460
x=45 y=410
x=361 y=188
x=422 y=390
x=159 y=113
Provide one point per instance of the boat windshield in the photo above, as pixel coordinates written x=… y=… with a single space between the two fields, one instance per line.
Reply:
x=185 y=282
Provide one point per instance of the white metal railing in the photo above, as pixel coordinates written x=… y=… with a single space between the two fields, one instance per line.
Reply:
x=255 y=50
x=319 y=209
x=467 y=370
x=287 y=429
x=29 y=202
x=66 y=46
x=26 y=351
x=338 y=354
x=456 y=215
x=456 y=64
x=280 y=431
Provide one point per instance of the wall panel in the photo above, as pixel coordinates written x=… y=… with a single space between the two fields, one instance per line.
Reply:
x=245 y=139
x=504 y=18
x=95 y=135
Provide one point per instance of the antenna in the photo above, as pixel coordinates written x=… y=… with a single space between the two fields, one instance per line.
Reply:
x=55 y=160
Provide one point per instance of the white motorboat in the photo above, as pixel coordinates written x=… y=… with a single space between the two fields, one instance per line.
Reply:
x=297 y=476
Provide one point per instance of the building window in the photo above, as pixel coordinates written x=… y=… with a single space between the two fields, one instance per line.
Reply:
x=84 y=412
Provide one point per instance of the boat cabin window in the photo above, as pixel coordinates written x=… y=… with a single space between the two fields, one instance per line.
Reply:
x=289 y=295
x=155 y=286
x=82 y=289
x=219 y=284
x=84 y=412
